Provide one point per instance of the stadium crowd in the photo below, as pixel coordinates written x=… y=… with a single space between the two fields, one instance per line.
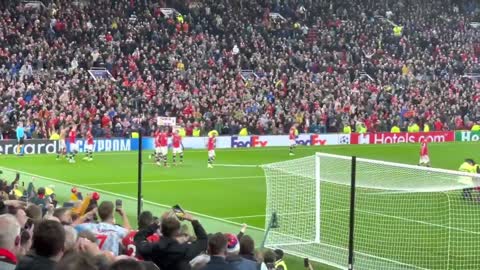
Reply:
x=37 y=233
x=222 y=65
x=321 y=64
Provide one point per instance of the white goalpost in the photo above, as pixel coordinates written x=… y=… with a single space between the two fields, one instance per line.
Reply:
x=406 y=217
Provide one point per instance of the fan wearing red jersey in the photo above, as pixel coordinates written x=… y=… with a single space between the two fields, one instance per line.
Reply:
x=211 y=150
x=292 y=136
x=72 y=140
x=177 y=147
x=144 y=220
x=424 y=158
x=89 y=146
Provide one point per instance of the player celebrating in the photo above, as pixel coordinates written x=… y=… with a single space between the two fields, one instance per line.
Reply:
x=155 y=135
x=89 y=147
x=20 y=138
x=72 y=139
x=211 y=150
x=177 y=147
x=62 y=146
x=164 y=146
x=292 y=135
x=424 y=158
x=158 y=151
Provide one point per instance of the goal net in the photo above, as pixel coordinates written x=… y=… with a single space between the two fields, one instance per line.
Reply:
x=406 y=217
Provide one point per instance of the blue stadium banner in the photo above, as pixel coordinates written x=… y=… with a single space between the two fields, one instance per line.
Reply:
x=109 y=145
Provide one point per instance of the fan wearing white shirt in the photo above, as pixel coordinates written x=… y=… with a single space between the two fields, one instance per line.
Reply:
x=108 y=234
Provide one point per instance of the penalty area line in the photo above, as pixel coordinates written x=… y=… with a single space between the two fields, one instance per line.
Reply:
x=220 y=165
x=237 y=165
x=182 y=180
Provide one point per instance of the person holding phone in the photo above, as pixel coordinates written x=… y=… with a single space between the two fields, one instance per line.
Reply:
x=168 y=253
x=108 y=234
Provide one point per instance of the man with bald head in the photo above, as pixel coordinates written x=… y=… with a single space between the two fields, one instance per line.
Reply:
x=9 y=241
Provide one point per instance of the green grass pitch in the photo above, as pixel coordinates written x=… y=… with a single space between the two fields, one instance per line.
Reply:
x=237 y=193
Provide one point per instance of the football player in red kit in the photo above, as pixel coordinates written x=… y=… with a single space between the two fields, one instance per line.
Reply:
x=72 y=140
x=177 y=147
x=292 y=135
x=89 y=146
x=424 y=158
x=157 y=144
x=158 y=151
x=211 y=150
x=164 y=146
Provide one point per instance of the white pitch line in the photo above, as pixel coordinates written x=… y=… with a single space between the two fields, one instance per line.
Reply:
x=288 y=214
x=220 y=165
x=181 y=180
x=237 y=165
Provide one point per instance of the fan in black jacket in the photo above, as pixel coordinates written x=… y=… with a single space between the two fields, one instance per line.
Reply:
x=168 y=253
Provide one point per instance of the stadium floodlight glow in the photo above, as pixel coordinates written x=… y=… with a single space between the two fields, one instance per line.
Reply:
x=406 y=217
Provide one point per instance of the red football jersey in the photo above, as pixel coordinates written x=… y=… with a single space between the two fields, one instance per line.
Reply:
x=176 y=140
x=89 y=138
x=129 y=244
x=157 y=139
x=163 y=139
x=424 y=149
x=291 y=134
x=72 y=136
x=211 y=143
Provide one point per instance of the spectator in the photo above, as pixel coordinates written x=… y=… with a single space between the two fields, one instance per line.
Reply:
x=110 y=235
x=48 y=245
x=217 y=249
x=6 y=205
x=247 y=248
x=19 y=214
x=280 y=263
x=71 y=236
x=144 y=220
x=126 y=264
x=64 y=215
x=234 y=259
x=199 y=262
x=77 y=261
x=25 y=242
x=269 y=259
x=167 y=253
x=9 y=241
x=34 y=212
x=102 y=259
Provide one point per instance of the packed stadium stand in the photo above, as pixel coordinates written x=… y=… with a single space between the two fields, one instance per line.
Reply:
x=229 y=64
x=116 y=65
